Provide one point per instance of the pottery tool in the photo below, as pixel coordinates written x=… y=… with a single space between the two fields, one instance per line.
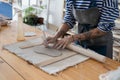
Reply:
x=87 y=52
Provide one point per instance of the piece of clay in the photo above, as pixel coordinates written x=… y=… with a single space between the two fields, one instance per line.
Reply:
x=47 y=51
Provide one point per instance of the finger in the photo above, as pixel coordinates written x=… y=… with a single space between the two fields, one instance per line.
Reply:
x=57 y=44
x=45 y=44
x=48 y=38
x=60 y=46
x=51 y=40
x=64 y=46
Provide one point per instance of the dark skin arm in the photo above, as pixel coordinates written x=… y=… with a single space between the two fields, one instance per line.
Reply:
x=61 y=32
x=63 y=42
x=94 y=33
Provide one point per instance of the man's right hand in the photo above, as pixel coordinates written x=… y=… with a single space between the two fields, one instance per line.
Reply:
x=49 y=40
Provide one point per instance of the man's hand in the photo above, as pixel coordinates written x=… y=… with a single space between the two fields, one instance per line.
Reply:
x=61 y=32
x=63 y=42
x=49 y=40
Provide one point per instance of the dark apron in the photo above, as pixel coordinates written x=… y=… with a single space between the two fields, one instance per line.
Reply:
x=102 y=45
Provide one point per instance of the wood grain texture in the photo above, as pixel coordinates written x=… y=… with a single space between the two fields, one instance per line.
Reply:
x=88 y=70
x=7 y=73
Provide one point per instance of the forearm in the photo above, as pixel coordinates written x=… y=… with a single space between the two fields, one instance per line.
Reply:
x=62 y=30
x=89 y=35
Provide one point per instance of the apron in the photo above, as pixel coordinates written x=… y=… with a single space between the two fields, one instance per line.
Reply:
x=102 y=45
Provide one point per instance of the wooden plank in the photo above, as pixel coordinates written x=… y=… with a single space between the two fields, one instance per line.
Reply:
x=87 y=52
x=7 y=73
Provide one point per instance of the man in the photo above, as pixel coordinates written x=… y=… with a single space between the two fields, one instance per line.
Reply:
x=98 y=37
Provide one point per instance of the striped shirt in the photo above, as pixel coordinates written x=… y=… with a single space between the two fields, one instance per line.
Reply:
x=108 y=8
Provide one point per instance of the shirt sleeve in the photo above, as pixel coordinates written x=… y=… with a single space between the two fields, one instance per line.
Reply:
x=69 y=18
x=109 y=13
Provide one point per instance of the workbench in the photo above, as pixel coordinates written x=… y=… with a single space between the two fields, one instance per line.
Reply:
x=15 y=68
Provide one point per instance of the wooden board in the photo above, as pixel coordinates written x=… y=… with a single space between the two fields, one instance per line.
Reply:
x=7 y=73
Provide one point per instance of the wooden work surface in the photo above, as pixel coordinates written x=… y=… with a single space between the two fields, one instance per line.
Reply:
x=15 y=68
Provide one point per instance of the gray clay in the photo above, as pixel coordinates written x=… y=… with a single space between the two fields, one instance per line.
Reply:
x=47 y=51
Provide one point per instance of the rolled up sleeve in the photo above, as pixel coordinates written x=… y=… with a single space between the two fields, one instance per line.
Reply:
x=109 y=14
x=69 y=18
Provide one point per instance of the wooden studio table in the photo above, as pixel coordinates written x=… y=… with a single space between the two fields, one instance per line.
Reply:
x=15 y=68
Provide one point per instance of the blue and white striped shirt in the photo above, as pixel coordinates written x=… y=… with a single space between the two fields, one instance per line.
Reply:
x=108 y=8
